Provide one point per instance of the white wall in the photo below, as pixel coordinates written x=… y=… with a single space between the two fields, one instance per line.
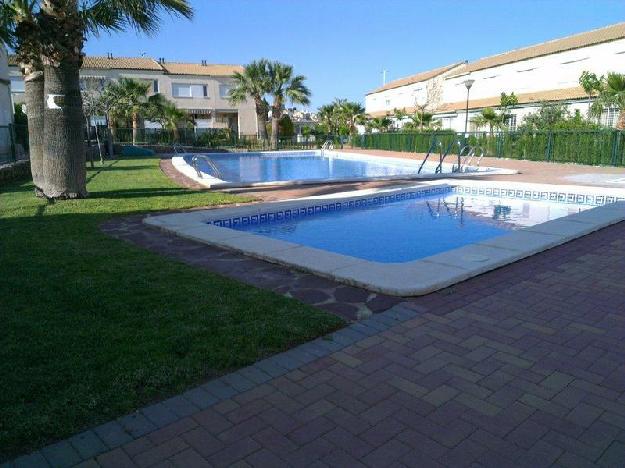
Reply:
x=396 y=98
x=555 y=71
x=6 y=105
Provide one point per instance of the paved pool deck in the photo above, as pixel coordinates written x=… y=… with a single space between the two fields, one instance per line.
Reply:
x=522 y=366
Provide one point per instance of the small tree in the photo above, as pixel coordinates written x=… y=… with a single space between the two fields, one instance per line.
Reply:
x=399 y=115
x=611 y=94
x=506 y=102
x=591 y=84
x=286 y=126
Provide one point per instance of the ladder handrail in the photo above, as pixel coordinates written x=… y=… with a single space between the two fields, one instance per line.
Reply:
x=432 y=147
x=209 y=162
x=439 y=168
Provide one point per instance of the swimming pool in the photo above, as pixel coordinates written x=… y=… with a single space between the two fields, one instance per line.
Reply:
x=413 y=226
x=307 y=167
x=406 y=241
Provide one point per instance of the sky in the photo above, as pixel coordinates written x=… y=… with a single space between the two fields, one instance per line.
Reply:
x=342 y=46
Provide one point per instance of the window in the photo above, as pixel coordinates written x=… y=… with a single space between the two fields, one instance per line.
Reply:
x=575 y=60
x=387 y=102
x=155 y=87
x=224 y=90
x=180 y=90
x=609 y=116
x=510 y=122
x=17 y=85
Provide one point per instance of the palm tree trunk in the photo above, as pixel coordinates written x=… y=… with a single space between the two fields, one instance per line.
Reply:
x=275 y=130
x=261 y=118
x=620 y=124
x=262 y=125
x=112 y=127
x=64 y=145
x=33 y=94
x=135 y=128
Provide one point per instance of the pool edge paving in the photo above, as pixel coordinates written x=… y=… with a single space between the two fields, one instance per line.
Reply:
x=519 y=365
x=143 y=422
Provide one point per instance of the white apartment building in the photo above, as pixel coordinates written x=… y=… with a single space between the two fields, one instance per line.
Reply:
x=6 y=106
x=546 y=72
x=200 y=89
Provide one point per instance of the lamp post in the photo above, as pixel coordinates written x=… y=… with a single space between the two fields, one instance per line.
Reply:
x=468 y=84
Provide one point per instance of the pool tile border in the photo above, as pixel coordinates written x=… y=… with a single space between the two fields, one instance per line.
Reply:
x=413 y=278
x=114 y=434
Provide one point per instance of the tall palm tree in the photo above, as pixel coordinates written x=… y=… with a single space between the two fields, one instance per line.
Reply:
x=284 y=86
x=132 y=95
x=254 y=83
x=58 y=28
x=612 y=94
x=19 y=30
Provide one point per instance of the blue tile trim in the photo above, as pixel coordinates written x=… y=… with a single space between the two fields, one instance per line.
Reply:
x=293 y=213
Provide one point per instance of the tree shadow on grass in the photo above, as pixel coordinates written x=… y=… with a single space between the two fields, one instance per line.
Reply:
x=141 y=193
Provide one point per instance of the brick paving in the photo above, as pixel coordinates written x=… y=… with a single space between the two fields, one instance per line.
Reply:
x=522 y=366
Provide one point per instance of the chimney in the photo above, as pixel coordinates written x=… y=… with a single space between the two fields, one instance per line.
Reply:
x=161 y=60
x=204 y=63
x=109 y=55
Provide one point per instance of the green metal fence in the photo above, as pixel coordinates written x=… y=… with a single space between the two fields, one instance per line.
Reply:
x=594 y=147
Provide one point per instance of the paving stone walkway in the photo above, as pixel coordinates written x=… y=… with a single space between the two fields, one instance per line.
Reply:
x=522 y=366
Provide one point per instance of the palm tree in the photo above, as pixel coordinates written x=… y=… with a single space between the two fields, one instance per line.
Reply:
x=131 y=98
x=380 y=123
x=353 y=113
x=165 y=112
x=489 y=117
x=254 y=83
x=18 y=30
x=612 y=94
x=55 y=31
x=284 y=86
x=421 y=120
x=399 y=115
x=328 y=117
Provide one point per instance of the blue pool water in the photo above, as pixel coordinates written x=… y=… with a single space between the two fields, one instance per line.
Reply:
x=305 y=165
x=405 y=230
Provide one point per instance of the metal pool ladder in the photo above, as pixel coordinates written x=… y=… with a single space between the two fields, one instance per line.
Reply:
x=209 y=163
x=328 y=144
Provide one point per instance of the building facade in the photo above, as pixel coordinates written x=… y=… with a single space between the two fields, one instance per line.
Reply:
x=6 y=104
x=200 y=89
x=546 y=72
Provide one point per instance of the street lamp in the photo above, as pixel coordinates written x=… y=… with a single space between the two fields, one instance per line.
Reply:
x=468 y=84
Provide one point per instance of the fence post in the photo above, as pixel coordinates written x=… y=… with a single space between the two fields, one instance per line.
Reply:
x=549 y=148
x=10 y=128
x=616 y=139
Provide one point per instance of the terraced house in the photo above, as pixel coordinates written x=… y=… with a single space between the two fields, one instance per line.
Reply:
x=201 y=89
x=545 y=72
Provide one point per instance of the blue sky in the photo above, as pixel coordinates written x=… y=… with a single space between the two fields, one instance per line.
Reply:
x=342 y=46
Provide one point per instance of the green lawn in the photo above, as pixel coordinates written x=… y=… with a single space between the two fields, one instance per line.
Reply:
x=93 y=327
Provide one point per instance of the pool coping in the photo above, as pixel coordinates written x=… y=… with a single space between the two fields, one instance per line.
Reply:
x=413 y=278
x=208 y=181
